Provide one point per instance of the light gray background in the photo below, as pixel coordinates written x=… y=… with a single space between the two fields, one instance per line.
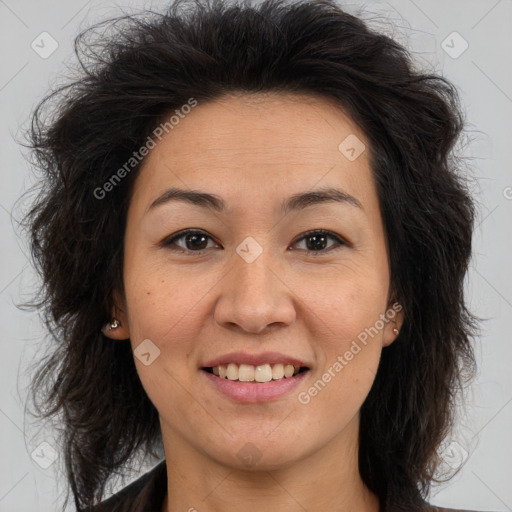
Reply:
x=483 y=75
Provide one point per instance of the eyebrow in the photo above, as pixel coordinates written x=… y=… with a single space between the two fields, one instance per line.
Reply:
x=293 y=203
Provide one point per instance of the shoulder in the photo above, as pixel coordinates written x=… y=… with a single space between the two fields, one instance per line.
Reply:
x=146 y=494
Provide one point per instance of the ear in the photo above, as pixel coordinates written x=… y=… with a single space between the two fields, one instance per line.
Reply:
x=395 y=320
x=119 y=330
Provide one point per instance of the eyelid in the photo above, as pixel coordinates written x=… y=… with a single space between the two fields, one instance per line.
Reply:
x=329 y=234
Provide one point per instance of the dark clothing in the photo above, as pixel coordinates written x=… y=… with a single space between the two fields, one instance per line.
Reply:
x=147 y=494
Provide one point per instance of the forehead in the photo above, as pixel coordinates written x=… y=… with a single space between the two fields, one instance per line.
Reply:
x=260 y=145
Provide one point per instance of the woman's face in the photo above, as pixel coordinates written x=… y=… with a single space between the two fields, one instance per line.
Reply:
x=260 y=284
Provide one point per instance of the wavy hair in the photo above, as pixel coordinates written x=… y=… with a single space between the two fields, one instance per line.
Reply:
x=134 y=71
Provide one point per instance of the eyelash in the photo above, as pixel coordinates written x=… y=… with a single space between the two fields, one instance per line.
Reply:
x=319 y=232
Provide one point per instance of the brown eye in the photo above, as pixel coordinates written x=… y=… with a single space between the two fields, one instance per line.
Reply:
x=317 y=242
x=193 y=241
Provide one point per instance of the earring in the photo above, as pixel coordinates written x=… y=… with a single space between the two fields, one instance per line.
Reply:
x=110 y=326
x=395 y=331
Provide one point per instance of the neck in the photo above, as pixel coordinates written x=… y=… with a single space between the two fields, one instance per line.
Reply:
x=327 y=479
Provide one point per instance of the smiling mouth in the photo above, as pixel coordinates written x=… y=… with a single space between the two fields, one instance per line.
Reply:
x=255 y=374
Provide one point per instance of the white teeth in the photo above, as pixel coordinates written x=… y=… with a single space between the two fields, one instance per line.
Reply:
x=278 y=371
x=263 y=373
x=250 y=373
x=245 y=372
x=288 y=371
x=232 y=372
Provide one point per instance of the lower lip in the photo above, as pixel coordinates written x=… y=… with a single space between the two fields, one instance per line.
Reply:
x=254 y=392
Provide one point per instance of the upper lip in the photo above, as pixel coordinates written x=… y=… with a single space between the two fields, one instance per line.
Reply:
x=254 y=359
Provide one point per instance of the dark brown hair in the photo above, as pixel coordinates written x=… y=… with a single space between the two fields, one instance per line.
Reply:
x=137 y=69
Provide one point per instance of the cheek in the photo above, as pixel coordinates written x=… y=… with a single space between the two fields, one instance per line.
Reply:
x=351 y=302
x=167 y=304
x=348 y=355
x=350 y=331
x=163 y=308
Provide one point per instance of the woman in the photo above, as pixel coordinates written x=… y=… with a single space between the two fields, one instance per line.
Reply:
x=253 y=238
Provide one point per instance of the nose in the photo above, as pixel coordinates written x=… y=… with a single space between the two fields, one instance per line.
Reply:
x=254 y=296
